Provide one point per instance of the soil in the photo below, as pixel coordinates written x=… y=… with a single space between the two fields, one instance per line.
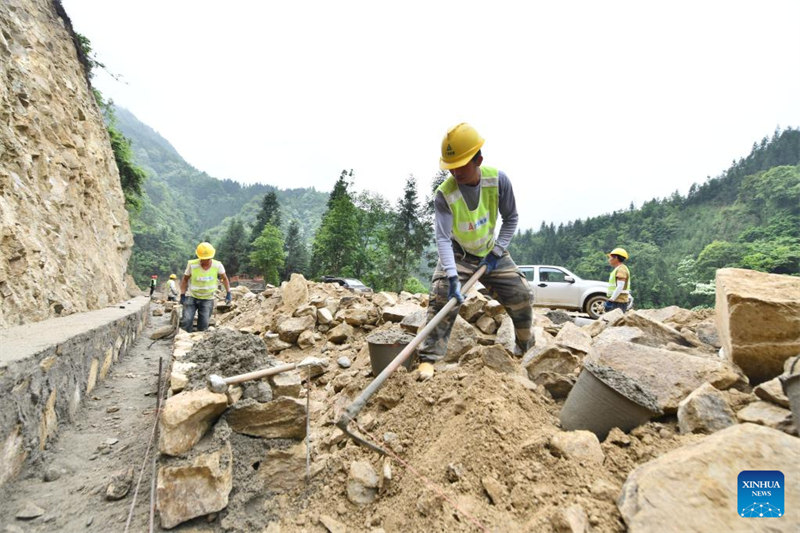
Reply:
x=109 y=437
x=226 y=352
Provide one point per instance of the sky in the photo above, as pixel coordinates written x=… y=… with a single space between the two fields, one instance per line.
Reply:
x=587 y=106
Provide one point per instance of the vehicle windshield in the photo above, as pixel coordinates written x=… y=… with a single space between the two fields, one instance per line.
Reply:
x=353 y=282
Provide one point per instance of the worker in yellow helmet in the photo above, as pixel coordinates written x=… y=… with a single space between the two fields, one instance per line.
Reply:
x=201 y=278
x=172 y=288
x=467 y=206
x=619 y=282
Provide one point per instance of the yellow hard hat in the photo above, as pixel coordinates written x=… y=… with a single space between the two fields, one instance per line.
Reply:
x=205 y=250
x=460 y=145
x=619 y=251
x=173 y=276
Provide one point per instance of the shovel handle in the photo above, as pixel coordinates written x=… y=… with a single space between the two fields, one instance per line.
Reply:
x=264 y=372
x=358 y=404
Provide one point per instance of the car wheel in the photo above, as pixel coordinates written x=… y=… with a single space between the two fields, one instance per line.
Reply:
x=595 y=306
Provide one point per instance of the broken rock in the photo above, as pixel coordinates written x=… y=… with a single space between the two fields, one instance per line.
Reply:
x=119 y=485
x=290 y=329
x=574 y=338
x=399 y=312
x=704 y=411
x=693 y=488
x=772 y=391
x=758 y=320
x=768 y=414
x=463 y=337
x=362 y=483
x=186 y=417
x=282 y=418
x=340 y=333
x=577 y=445
x=286 y=384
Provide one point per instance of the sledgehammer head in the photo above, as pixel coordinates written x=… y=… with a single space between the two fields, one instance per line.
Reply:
x=217 y=384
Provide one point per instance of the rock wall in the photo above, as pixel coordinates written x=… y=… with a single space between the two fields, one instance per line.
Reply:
x=64 y=233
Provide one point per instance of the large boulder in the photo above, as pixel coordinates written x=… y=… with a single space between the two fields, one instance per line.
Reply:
x=554 y=359
x=694 y=488
x=398 y=313
x=472 y=308
x=669 y=376
x=294 y=293
x=282 y=418
x=768 y=414
x=580 y=445
x=704 y=411
x=574 y=338
x=655 y=329
x=195 y=489
x=186 y=417
x=413 y=322
x=385 y=299
x=505 y=335
x=758 y=320
x=463 y=337
x=341 y=333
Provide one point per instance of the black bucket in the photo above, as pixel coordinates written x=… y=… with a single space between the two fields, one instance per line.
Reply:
x=603 y=399
x=791 y=388
x=384 y=347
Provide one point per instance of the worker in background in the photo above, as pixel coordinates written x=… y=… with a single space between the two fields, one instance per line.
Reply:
x=153 y=282
x=467 y=205
x=172 y=288
x=200 y=279
x=619 y=282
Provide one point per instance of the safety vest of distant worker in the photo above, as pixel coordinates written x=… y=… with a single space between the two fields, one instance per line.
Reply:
x=203 y=283
x=612 y=284
x=474 y=230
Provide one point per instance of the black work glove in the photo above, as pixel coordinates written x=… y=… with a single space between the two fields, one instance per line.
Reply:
x=183 y=299
x=228 y=297
x=490 y=260
x=455 y=289
x=608 y=305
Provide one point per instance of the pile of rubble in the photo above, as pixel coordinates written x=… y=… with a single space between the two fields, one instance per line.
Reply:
x=481 y=445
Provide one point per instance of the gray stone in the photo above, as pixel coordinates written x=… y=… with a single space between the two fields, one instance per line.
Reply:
x=707 y=332
x=758 y=320
x=286 y=384
x=290 y=329
x=399 y=312
x=769 y=415
x=693 y=488
x=341 y=333
x=574 y=338
x=362 y=483
x=52 y=473
x=505 y=335
x=196 y=488
x=669 y=376
x=344 y=361
x=486 y=324
x=558 y=317
x=580 y=445
x=463 y=337
x=282 y=418
x=704 y=411
x=29 y=511
x=259 y=391
x=413 y=322
x=772 y=391
x=119 y=485
x=558 y=385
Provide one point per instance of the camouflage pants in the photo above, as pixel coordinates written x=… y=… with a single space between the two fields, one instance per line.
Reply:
x=505 y=284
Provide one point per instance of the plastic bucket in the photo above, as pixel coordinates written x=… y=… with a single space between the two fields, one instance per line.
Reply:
x=791 y=387
x=384 y=347
x=596 y=404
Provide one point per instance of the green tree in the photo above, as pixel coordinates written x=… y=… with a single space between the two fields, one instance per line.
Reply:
x=296 y=251
x=372 y=253
x=232 y=249
x=267 y=254
x=336 y=241
x=270 y=213
x=410 y=233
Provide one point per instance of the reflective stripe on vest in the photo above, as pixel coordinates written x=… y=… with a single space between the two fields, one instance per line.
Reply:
x=612 y=281
x=474 y=230
x=203 y=283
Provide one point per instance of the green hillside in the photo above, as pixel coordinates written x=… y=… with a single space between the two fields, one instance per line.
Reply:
x=182 y=205
x=748 y=217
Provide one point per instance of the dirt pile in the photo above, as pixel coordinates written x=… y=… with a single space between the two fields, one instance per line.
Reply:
x=226 y=352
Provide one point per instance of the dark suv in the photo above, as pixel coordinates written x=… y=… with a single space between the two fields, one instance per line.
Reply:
x=353 y=284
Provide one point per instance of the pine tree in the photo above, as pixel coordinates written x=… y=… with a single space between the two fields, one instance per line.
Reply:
x=336 y=241
x=296 y=251
x=270 y=213
x=267 y=254
x=410 y=233
x=232 y=249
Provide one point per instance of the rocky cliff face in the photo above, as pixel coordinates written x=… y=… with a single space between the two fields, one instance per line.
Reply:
x=64 y=233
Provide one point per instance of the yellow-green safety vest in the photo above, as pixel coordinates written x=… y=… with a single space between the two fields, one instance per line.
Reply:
x=612 y=284
x=203 y=283
x=474 y=230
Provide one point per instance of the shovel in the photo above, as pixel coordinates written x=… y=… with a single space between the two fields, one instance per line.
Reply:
x=358 y=404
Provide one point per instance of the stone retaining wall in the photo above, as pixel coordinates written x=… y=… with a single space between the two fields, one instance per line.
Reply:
x=47 y=368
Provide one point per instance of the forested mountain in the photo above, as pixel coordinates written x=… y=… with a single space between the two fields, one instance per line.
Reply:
x=747 y=217
x=182 y=205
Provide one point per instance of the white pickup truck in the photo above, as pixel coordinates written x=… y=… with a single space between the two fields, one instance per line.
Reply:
x=558 y=288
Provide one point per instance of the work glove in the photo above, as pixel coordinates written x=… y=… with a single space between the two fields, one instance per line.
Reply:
x=455 y=289
x=490 y=260
x=228 y=297
x=608 y=306
x=183 y=299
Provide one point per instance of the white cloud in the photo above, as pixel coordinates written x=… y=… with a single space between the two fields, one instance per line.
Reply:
x=586 y=105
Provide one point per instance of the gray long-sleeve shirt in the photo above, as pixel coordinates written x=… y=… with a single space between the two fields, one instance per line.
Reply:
x=443 y=221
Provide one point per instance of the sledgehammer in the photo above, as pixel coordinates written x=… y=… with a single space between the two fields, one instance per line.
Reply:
x=358 y=404
x=219 y=384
